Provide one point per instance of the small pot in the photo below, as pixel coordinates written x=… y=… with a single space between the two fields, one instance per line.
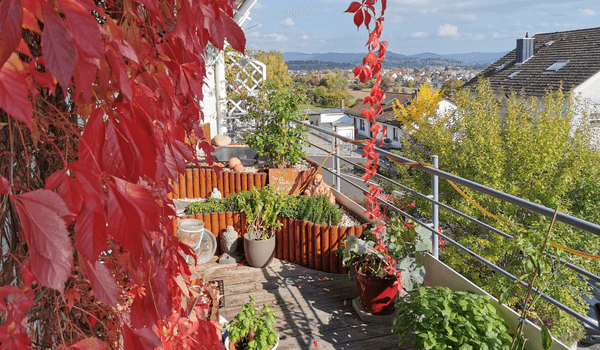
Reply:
x=259 y=253
x=377 y=294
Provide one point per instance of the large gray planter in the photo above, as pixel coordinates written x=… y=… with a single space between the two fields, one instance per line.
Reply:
x=259 y=253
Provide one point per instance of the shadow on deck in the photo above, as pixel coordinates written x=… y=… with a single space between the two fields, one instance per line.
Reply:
x=309 y=305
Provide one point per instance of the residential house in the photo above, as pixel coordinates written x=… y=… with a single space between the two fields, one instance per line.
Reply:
x=544 y=61
x=387 y=119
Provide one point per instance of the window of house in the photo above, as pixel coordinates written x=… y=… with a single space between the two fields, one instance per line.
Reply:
x=395 y=131
x=362 y=124
x=514 y=74
x=556 y=66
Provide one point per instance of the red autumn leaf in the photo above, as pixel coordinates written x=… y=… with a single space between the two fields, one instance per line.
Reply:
x=91 y=233
x=358 y=18
x=47 y=237
x=118 y=156
x=103 y=283
x=140 y=339
x=55 y=179
x=148 y=309
x=14 y=94
x=84 y=28
x=58 y=46
x=4 y=186
x=367 y=19
x=120 y=72
x=11 y=20
x=234 y=34
x=324 y=279
x=316 y=344
x=71 y=296
x=85 y=76
x=124 y=222
x=90 y=344
x=355 y=6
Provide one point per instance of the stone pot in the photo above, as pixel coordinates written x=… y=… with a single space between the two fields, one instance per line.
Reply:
x=377 y=294
x=259 y=253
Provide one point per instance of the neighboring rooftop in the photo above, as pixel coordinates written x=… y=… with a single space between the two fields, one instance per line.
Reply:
x=387 y=113
x=580 y=49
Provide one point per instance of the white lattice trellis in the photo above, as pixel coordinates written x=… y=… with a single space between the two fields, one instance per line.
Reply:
x=248 y=73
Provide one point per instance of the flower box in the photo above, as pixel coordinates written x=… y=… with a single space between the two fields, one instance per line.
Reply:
x=440 y=274
x=199 y=182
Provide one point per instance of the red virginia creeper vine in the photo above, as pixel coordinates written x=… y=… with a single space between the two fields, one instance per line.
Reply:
x=364 y=12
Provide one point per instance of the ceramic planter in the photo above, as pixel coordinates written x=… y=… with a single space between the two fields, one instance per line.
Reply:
x=259 y=253
x=377 y=294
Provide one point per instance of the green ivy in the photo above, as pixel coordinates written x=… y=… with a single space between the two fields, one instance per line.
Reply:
x=441 y=319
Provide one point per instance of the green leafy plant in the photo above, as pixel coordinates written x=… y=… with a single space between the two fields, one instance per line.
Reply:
x=441 y=319
x=275 y=136
x=320 y=211
x=253 y=330
x=532 y=148
x=262 y=207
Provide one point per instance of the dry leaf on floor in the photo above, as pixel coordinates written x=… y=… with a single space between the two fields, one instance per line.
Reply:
x=326 y=289
x=324 y=279
x=329 y=317
x=304 y=271
x=300 y=285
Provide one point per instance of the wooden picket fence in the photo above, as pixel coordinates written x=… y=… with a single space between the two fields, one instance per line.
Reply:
x=200 y=182
x=300 y=242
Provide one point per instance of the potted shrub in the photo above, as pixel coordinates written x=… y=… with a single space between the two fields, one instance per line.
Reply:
x=383 y=272
x=441 y=319
x=262 y=207
x=276 y=137
x=252 y=330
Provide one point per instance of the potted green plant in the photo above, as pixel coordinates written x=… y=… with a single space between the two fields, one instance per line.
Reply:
x=252 y=330
x=382 y=272
x=442 y=319
x=275 y=136
x=262 y=207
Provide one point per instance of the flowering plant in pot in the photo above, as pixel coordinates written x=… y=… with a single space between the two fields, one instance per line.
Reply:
x=262 y=207
x=384 y=270
x=252 y=330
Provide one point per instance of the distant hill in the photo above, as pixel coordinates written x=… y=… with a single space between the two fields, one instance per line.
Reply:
x=476 y=60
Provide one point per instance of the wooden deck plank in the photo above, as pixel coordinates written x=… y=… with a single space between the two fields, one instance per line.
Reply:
x=309 y=305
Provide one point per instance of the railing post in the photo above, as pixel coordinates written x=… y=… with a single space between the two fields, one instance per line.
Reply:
x=337 y=161
x=435 y=209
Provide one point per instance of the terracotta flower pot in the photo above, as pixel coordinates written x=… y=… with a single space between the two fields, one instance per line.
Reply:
x=259 y=253
x=377 y=295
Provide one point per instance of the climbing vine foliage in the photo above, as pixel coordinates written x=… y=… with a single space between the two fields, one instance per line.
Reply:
x=365 y=13
x=96 y=100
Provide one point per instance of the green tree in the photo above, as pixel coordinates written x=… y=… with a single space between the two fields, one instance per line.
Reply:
x=277 y=70
x=531 y=148
x=450 y=86
x=334 y=82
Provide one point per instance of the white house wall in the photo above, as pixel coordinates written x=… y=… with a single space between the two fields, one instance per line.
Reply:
x=209 y=103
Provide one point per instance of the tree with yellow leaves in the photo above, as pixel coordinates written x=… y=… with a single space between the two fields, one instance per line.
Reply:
x=420 y=109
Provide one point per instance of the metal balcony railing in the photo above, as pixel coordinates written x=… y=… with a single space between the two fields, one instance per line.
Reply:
x=433 y=199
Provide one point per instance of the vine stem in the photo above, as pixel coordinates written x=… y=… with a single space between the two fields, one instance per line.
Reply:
x=10 y=137
x=525 y=311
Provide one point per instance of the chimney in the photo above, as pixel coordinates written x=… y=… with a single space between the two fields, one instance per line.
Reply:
x=524 y=48
x=342 y=104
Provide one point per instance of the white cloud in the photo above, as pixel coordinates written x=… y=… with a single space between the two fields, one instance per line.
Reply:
x=304 y=36
x=271 y=37
x=467 y=17
x=448 y=30
x=497 y=35
x=545 y=24
x=587 y=12
x=419 y=34
x=289 y=22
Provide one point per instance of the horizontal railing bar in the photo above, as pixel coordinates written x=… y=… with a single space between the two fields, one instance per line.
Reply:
x=534 y=207
x=582 y=318
x=481 y=224
x=507 y=274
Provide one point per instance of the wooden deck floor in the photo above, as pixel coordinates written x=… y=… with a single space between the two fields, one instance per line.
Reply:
x=309 y=305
